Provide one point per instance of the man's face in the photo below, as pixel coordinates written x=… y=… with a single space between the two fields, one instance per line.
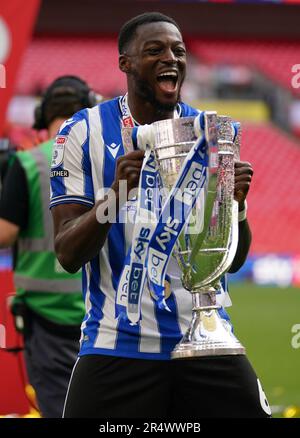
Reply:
x=157 y=63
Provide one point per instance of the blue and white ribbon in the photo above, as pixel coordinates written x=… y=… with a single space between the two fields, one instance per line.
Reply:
x=157 y=229
x=174 y=216
x=131 y=284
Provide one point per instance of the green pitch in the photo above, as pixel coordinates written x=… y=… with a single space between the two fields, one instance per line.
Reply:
x=263 y=318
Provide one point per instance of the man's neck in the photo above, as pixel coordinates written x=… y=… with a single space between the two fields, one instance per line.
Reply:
x=54 y=126
x=144 y=112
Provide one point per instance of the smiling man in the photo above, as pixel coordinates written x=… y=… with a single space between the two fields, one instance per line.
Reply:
x=125 y=370
x=155 y=63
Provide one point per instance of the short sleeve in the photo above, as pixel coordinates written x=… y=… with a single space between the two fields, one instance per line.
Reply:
x=71 y=176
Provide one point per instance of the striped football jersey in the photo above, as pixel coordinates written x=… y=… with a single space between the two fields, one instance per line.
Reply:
x=84 y=159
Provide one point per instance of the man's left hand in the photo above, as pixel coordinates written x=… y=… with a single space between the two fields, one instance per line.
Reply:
x=243 y=173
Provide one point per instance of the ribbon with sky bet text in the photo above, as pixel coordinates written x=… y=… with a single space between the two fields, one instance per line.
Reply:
x=156 y=229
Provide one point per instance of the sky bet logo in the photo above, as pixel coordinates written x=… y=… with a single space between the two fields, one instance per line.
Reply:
x=135 y=285
x=142 y=240
x=169 y=230
x=193 y=182
x=147 y=195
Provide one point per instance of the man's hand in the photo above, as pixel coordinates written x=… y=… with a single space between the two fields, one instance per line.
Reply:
x=9 y=233
x=129 y=169
x=79 y=236
x=243 y=175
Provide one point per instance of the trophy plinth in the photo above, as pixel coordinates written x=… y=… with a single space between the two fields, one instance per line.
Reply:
x=208 y=334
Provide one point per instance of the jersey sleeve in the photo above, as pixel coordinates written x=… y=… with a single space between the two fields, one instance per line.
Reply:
x=71 y=176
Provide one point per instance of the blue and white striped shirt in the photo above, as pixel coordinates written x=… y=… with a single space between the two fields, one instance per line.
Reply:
x=84 y=160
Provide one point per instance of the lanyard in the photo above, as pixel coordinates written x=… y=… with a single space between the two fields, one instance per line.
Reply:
x=127 y=119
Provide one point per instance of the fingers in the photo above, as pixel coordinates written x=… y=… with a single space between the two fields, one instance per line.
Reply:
x=243 y=178
x=243 y=173
x=123 y=165
x=129 y=163
x=242 y=168
x=131 y=173
x=129 y=169
x=133 y=155
x=241 y=187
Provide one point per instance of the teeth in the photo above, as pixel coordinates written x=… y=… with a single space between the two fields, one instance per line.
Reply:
x=170 y=73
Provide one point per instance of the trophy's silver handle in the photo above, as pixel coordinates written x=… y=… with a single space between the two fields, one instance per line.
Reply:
x=233 y=243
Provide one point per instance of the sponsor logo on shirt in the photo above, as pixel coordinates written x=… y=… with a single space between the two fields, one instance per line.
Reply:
x=142 y=241
x=113 y=149
x=60 y=140
x=58 y=150
x=61 y=173
x=135 y=285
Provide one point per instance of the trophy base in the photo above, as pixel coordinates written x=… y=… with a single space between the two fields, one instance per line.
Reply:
x=208 y=335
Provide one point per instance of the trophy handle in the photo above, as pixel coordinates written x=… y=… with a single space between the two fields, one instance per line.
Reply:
x=233 y=241
x=210 y=195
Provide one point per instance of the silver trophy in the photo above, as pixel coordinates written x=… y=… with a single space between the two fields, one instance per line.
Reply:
x=206 y=254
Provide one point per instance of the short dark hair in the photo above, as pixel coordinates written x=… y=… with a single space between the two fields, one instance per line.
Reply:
x=128 y=29
x=65 y=96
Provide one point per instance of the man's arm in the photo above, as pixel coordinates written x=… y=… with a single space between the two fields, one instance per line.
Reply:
x=78 y=231
x=243 y=178
x=13 y=205
x=8 y=233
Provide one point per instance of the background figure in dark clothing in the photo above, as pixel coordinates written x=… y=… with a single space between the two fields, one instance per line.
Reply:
x=48 y=305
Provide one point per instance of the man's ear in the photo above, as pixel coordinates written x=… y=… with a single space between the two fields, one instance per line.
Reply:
x=124 y=63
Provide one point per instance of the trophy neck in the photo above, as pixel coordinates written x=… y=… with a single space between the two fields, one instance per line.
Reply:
x=204 y=298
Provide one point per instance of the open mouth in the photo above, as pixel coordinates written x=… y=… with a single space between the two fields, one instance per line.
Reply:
x=168 y=81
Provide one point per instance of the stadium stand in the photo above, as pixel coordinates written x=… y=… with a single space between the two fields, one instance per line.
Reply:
x=94 y=59
x=274 y=59
x=274 y=197
x=47 y=58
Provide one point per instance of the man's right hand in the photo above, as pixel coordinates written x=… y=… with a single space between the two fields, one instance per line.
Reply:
x=78 y=234
x=129 y=169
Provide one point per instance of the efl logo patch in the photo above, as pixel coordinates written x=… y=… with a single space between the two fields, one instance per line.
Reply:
x=58 y=150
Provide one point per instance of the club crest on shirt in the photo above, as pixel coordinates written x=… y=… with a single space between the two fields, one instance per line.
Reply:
x=58 y=150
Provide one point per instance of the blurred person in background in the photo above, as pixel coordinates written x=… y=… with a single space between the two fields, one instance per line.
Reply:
x=48 y=306
x=124 y=370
